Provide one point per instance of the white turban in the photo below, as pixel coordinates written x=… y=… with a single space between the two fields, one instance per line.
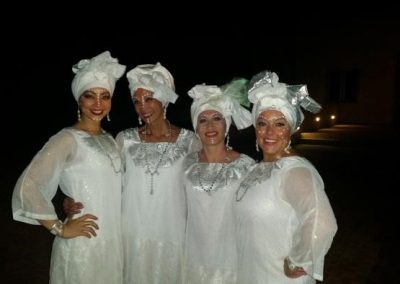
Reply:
x=209 y=97
x=102 y=71
x=266 y=92
x=155 y=78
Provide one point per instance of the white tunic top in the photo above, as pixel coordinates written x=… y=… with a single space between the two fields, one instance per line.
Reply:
x=210 y=247
x=283 y=212
x=89 y=169
x=154 y=211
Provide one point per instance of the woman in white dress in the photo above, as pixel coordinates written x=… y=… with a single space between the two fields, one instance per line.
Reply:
x=211 y=178
x=154 y=211
x=285 y=224
x=83 y=160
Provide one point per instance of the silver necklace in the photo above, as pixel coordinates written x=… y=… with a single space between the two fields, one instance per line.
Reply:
x=106 y=153
x=216 y=177
x=148 y=168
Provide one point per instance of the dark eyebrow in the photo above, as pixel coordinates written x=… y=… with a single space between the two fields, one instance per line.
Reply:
x=102 y=92
x=88 y=92
x=144 y=96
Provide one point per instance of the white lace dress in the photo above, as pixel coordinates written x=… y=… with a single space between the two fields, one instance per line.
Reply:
x=89 y=169
x=154 y=211
x=283 y=211
x=210 y=247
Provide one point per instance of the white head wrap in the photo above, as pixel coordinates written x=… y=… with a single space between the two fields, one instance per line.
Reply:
x=266 y=92
x=222 y=99
x=102 y=71
x=155 y=78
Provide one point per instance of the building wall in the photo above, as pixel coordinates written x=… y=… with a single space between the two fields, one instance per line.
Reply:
x=371 y=48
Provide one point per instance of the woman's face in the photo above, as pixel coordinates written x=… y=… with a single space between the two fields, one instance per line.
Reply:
x=148 y=108
x=211 y=127
x=273 y=134
x=95 y=103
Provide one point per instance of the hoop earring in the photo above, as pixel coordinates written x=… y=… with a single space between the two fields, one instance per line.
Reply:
x=108 y=117
x=79 y=114
x=229 y=148
x=140 y=120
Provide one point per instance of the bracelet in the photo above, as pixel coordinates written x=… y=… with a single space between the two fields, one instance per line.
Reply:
x=57 y=228
x=291 y=266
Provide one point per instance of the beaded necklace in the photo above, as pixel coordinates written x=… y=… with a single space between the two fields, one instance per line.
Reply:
x=97 y=135
x=106 y=153
x=215 y=178
x=148 y=168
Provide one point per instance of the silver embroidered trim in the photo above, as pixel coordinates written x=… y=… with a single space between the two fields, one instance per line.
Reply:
x=173 y=153
x=226 y=173
x=259 y=174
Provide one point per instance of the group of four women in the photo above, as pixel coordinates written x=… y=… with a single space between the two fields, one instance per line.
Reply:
x=168 y=205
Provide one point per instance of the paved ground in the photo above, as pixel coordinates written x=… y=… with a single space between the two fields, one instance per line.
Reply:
x=358 y=181
x=354 y=163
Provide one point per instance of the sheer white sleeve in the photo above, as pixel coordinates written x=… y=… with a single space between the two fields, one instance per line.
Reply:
x=38 y=184
x=303 y=189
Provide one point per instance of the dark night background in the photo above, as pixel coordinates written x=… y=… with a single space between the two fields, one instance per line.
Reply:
x=211 y=48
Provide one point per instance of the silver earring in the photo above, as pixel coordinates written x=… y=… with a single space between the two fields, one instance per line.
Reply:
x=257 y=149
x=288 y=147
x=79 y=114
x=227 y=143
x=140 y=120
x=108 y=117
x=165 y=112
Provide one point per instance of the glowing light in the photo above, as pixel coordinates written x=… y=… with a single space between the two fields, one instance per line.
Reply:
x=317 y=118
x=333 y=117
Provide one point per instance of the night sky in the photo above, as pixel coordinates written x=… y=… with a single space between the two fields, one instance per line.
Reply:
x=37 y=89
x=211 y=47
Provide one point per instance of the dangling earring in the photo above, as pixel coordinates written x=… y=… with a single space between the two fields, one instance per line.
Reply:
x=228 y=148
x=108 y=117
x=257 y=149
x=165 y=112
x=79 y=114
x=287 y=148
x=140 y=120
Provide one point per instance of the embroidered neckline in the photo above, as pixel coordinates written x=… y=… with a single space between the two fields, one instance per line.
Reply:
x=166 y=147
x=261 y=172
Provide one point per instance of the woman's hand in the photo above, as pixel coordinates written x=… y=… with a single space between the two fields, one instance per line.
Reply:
x=292 y=271
x=71 y=207
x=84 y=226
